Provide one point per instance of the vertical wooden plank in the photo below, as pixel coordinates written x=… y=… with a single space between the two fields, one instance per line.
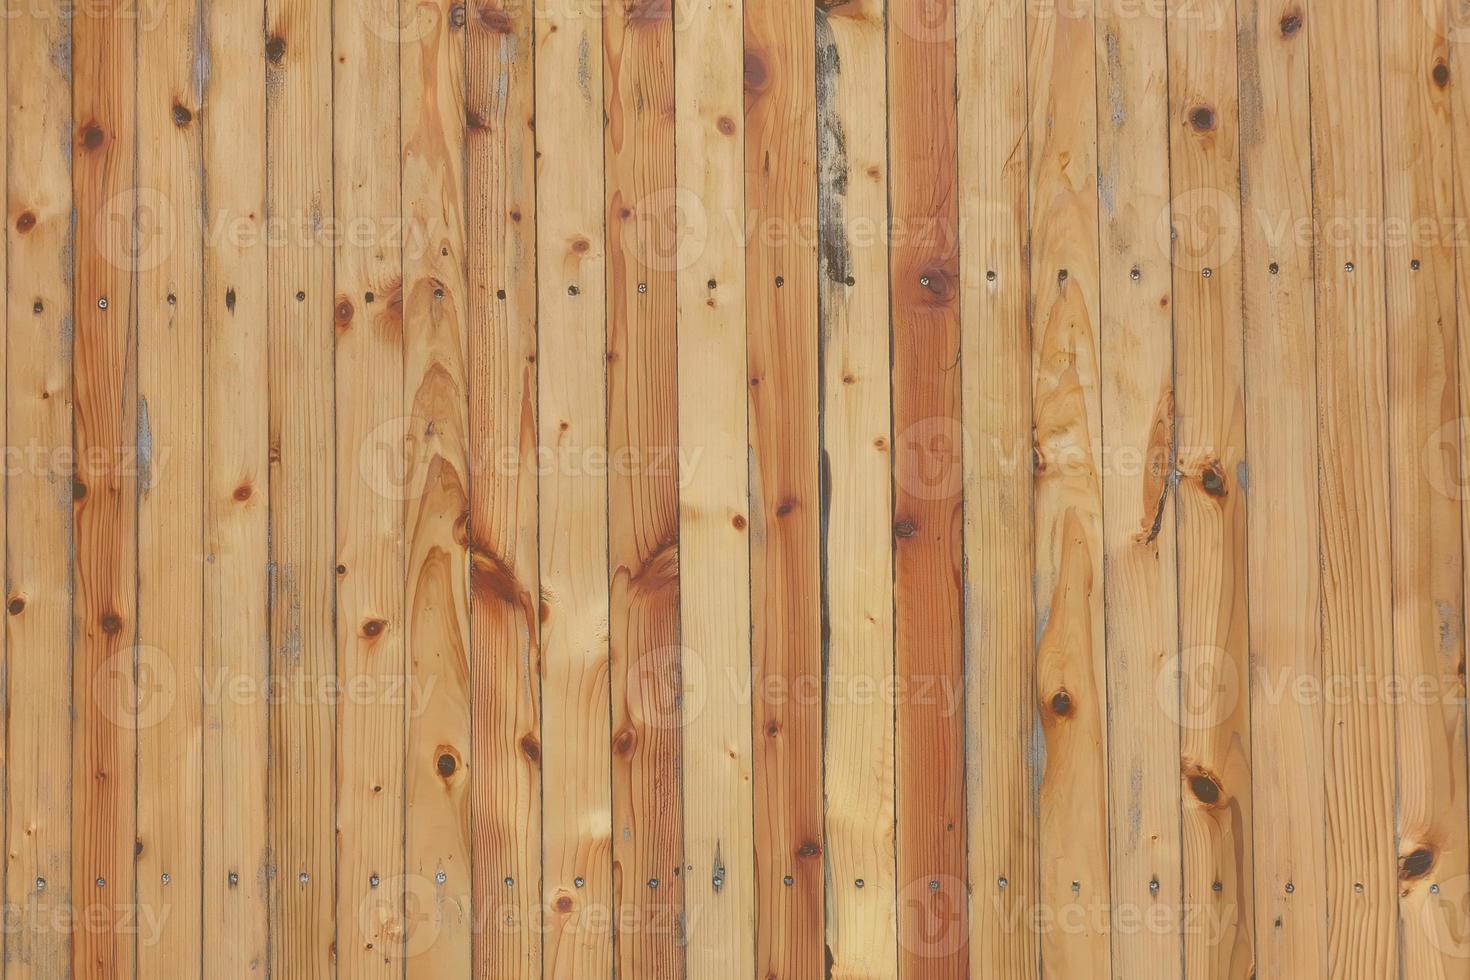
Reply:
x=298 y=51
x=1138 y=480
x=1357 y=638
x=505 y=788
x=170 y=267
x=435 y=389
x=1219 y=885
x=1356 y=585
x=714 y=601
x=570 y=264
x=236 y=508
x=785 y=528
x=1004 y=745
x=1071 y=666
x=111 y=442
x=1424 y=411
x=856 y=434
x=373 y=931
x=1282 y=500
x=928 y=501
x=643 y=493
x=39 y=243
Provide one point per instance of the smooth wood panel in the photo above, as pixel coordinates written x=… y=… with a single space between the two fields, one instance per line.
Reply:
x=1139 y=483
x=43 y=841
x=856 y=456
x=300 y=311
x=108 y=700
x=505 y=667
x=643 y=493
x=236 y=504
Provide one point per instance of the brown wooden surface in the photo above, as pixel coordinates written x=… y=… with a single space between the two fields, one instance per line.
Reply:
x=713 y=489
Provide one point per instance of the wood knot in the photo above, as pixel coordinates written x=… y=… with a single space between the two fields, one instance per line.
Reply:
x=1061 y=703
x=372 y=628
x=92 y=136
x=447 y=763
x=494 y=19
x=786 y=506
x=905 y=529
x=726 y=126
x=1202 y=118
x=738 y=522
x=1212 y=478
x=808 y=850
x=275 y=49
x=16 y=605
x=1205 y=785
x=111 y=623
x=182 y=115
x=531 y=748
x=564 y=904
x=456 y=16
x=1291 y=22
x=25 y=222
x=1416 y=864
x=624 y=742
x=756 y=77
x=242 y=492
x=1441 y=74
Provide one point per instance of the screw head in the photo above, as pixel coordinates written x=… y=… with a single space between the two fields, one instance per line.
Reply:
x=579 y=881
x=440 y=877
x=1001 y=882
x=1347 y=267
x=1135 y=274
x=860 y=883
x=102 y=303
x=303 y=877
x=374 y=881
x=40 y=884
x=509 y=882
x=1207 y=272
x=234 y=878
x=164 y=878
x=788 y=881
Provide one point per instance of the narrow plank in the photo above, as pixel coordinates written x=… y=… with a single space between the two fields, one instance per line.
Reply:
x=1071 y=668
x=571 y=281
x=169 y=296
x=39 y=800
x=1004 y=745
x=928 y=505
x=1424 y=411
x=785 y=515
x=111 y=440
x=373 y=931
x=1219 y=883
x=643 y=493
x=236 y=459
x=1282 y=501
x=1357 y=638
x=302 y=497
x=714 y=601
x=856 y=434
x=436 y=403
x=1138 y=480
x=505 y=789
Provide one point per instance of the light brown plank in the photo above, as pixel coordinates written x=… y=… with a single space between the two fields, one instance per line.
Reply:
x=1004 y=742
x=39 y=802
x=170 y=269
x=1219 y=886
x=1071 y=667
x=505 y=785
x=643 y=493
x=1357 y=638
x=714 y=598
x=374 y=932
x=928 y=475
x=236 y=508
x=109 y=697
x=785 y=518
x=1138 y=479
x=1282 y=499
x=571 y=281
x=300 y=311
x=856 y=434
x=1424 y=411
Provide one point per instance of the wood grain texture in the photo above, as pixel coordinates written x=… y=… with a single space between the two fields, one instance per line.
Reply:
x=1353 y=436
x=714 y=495
x=643 y=493
x=108 y=700
x=1213 y=478
x=436 y=412
x=1139 y=482
x=1071 y=667
x=300 y=312
x=571 y=258
x=374 y=933
x=928 y=474
x=1424 y=407
x=236 y=524
x=170 y=266
x=43 y=839
x=856 y=452
x=505 y=667
x=786 y=509
x=1282 y=499
x=1004 y=742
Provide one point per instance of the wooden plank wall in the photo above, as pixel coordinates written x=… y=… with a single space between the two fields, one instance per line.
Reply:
x=729 y=489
